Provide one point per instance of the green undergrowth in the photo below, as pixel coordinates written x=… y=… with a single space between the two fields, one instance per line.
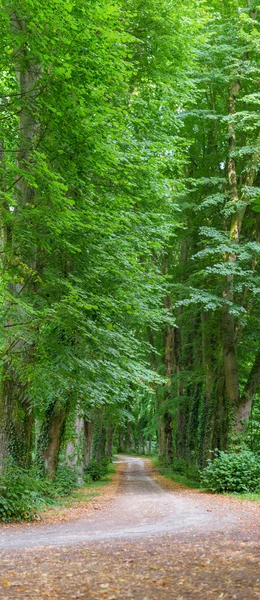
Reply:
x=230 y=473
x=179 y=472
x=90 y=490
x=236 y=472
x=24 y=494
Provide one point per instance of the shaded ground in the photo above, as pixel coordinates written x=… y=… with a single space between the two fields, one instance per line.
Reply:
x=149 y=542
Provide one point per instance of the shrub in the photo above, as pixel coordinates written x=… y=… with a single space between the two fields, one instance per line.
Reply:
x=179 y=466
x=233 y=472
x=20 y=496
x=23 y=494
x=66 y=480
x=96 y=470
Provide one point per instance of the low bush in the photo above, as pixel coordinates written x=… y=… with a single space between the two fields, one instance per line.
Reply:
x=23 y=494
x=233 y=472
x=96 y=470
x=20 y=495
x=179 y=466
x=66 y=480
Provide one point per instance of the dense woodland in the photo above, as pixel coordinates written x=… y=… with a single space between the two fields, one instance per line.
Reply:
x=130 y=231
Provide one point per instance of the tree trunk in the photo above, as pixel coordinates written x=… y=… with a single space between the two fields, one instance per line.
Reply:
x=17 y=420
x=162 y=444
x=53 y=430
x=168 y=437
x=230 y=358
x=245 y=404
x=109 y=442
x=88 y=436
x=129 y=441
x=170 y=363
x=3 y=434
x=193 y=424
x=207 y=354
x=99 y=439
x=228 y=321
x=17 y=435
x=74 y=449
x=220 y=416
x=181 y=429
x=120 y=441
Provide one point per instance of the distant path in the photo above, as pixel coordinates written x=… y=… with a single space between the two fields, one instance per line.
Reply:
x=141 y=508
x=145 y=544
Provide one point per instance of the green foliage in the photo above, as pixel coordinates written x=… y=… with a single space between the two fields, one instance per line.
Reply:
x=181 y=472
x=16 y=500
x=20 y=495
x=129 y=259
x=233 y=472
x=87 y=222
x=66 y=480
x=96 y=470
x=23 y=494
x=253 y=429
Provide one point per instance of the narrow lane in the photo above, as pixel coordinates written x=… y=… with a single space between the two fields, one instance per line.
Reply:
x=141 y=508
x=146 y=544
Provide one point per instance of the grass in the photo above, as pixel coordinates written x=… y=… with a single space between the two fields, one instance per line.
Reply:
x=252 y=496
x=188 y=481
x=184 y=479
x=187 y=478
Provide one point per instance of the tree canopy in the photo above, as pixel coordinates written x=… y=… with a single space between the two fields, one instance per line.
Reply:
x=129 y=229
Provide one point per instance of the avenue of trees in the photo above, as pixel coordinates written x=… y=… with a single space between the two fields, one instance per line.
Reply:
x=130 y=230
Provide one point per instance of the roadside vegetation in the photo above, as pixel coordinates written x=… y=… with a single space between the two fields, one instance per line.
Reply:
x=236 y=473
x=24 y=495
x=129 y=242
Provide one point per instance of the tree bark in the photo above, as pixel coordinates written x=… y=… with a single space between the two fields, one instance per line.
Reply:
x=230 y=357
x=166 y=430
x=88 y=436
x=228 y=321
x=74 y=450
x=168 y=437
x=245 y=403
x=99 y=438
x=3 y=433
x=120 y=440
x=207 y=354
x=240 y=205
x=53 y=430
x=109 y=442
x=14 y=398
x=4 y=240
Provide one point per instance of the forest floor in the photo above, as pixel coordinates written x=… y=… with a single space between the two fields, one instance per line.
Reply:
x=152 y=539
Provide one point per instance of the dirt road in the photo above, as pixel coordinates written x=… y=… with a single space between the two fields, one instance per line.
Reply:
x=149 y=542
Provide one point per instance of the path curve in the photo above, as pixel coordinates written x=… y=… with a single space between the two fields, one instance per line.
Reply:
x=141 y=508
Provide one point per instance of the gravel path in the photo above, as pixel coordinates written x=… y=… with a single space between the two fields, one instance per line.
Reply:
x=148 y=542
x=142 y=507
